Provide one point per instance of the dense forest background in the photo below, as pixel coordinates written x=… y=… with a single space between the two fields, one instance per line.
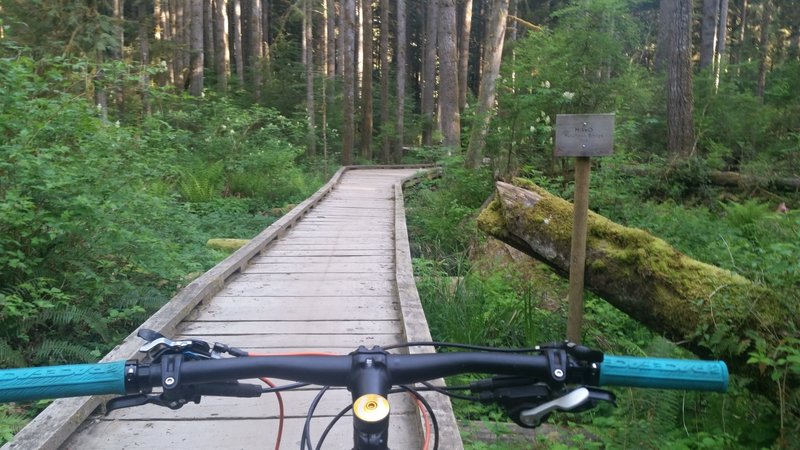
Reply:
x=133 y=131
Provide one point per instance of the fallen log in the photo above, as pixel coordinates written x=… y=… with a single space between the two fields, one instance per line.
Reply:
x=226 y=245
x=705 y=308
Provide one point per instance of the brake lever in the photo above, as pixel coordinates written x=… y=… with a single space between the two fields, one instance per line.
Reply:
x=575 y=399
x=130 y=401
x=578 y=400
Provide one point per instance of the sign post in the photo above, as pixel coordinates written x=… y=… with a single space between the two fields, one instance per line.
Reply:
x=582 y=136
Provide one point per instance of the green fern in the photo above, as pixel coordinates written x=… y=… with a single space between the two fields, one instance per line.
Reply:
x=11 y=421
x=56 y=351
x=66 y=316
x=202 y=184
x=73 y=315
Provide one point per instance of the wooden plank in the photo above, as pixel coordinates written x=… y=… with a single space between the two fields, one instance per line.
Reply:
x=333 y=245
x=326 y=232
x=347 y=210
x=252 y=342
x=342 y=252
x=351 y=222
x=352 y=242
x=216 y=434
x=324 y=259
x=202 y=328
x=298 y=308
x=366 y=204
x=306 y=277
x=283 y=288
x=329 y=267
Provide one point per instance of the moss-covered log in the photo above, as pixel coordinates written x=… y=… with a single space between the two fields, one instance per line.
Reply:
x=706 y=308
x=226 y=245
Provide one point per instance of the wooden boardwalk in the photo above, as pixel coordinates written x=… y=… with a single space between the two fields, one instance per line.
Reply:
x=332 y=276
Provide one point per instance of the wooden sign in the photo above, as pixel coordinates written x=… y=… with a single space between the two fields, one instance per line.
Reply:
x=584 y=135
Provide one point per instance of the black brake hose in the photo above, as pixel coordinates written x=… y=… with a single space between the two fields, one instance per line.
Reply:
x=331 y=424
x=306 y=438
x=448 y=393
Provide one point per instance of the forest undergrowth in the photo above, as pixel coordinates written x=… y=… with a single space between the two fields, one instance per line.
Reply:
x=477 y=291
x=103 y=221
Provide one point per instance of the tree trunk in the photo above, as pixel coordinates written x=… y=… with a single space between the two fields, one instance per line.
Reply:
x=238 y=51
x=327 y=85
x=708 y=33
x=359 y=54
x=208 y=33
x=144 y=54
x=429 y=72
x=463 y=55
x=670 y=293
x=385 y=118
x=196 y=48
x=764 y=47
x=221 y=52
x=722 y=36
x=331 y=37
x=366 y=81
x=660 y=63
x=348 y=53
x=256 y=51
x=495 y=35
x=182 y=44
x=742 y=31
x=266 y=32
x=401 y=79
x=119 y=30
x=448 y=61
x=311 y=144
x=680 y=123
x=119 y=22
x=340 y=42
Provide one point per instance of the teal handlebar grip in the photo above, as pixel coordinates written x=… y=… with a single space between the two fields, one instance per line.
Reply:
x=662 y=373
x=34 y=383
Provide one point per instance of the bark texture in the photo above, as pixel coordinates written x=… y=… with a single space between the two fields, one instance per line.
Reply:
x=366 y=81
x=197 y=56
x=494 y=53
x=236 y=30
x=385 y=50
x=348 y=30
x=680 y=122
x=222 y=52
x=308 y=33
x=681 y=298
x=401 y=79
x=448 y=63
x=463 y=54
x=708 y=33
x=429 y=72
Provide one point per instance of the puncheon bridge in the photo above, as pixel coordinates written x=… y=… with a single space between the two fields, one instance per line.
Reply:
x=332 y=274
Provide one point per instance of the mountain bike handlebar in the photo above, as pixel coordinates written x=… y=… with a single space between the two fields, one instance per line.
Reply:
x=528 y=386
x=123 y=377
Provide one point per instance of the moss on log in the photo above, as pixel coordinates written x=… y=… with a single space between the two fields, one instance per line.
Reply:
x=226 y=245
x=704 y=307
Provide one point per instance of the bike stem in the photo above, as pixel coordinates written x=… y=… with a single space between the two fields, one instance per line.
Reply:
x=369 y=386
